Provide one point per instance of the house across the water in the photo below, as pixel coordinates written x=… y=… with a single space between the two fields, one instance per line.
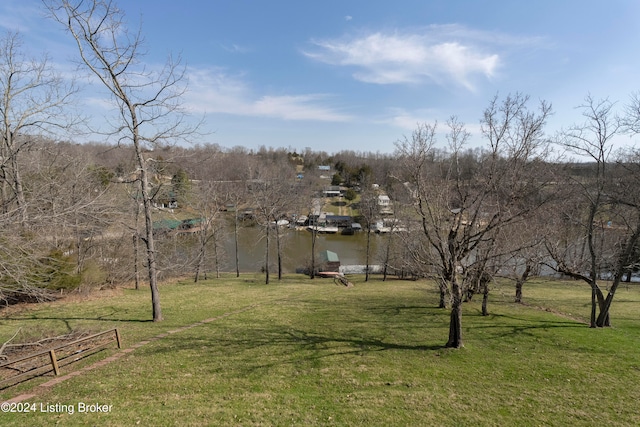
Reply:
x=330 y=261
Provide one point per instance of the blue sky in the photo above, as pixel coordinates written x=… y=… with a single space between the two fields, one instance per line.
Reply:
x=359 y=75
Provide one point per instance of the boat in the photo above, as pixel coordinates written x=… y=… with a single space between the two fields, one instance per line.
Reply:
x=323 y=229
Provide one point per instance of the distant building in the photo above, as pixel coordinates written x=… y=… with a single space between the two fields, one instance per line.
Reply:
x=339 y=220
x=384 y=201
x=333 y=191
x=324 y=168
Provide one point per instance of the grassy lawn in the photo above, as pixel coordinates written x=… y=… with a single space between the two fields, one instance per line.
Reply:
x=311 y=353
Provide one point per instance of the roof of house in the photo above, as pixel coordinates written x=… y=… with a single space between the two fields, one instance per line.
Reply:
x=170 y=224
x=338 y=218
x=330 y=256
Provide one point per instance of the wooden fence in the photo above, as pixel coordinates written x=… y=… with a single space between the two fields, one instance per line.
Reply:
x=56 y=357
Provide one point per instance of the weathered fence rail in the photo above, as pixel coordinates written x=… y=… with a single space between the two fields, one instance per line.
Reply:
x=56 y=357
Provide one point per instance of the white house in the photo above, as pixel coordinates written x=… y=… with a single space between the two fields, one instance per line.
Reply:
x=384 y=203
x=383 y=200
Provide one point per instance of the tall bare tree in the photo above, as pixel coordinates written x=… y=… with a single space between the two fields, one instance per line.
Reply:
x=587 y=250
x=148 y=103
x=369 y=211
x=623 y=198
x=625 y=225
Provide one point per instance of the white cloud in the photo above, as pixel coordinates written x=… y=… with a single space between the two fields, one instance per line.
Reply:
x=408 y=120
x=235 y=48
x=438 y=54
x=297 y=107
x=214 y=91
x=348 y=18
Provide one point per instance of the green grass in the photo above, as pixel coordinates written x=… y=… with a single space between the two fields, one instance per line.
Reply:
x=312 y=353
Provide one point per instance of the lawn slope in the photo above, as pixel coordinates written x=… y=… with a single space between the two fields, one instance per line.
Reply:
x=303 y=352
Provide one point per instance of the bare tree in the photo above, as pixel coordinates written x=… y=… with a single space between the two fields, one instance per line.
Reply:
x=69 y=208
x=631 y=119
x=624 y=199
x=35 y=101
x=209 y=203
x=421 y=176
x=236 y=196
x=584 y=254
x=625 y=226
x=273 y=192
x=148 y=103
x=230 y=171
x=462 y=211
x=314 y=212
x=369 y=211
x=311 y=205
x=522 y=252
x=391 y=251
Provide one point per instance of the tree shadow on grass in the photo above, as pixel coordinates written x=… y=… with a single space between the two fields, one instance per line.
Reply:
x=280 y=346
x=525 y=325
x=414 y=310
x=315 y=341
x=114 y=315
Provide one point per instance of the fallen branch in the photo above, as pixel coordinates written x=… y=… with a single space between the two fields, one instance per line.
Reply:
x=6 y=344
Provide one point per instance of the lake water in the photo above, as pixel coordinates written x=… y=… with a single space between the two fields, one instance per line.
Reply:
x=296 y=248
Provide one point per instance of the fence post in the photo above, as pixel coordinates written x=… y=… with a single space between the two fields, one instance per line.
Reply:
x=118 y=338
x=54 y=362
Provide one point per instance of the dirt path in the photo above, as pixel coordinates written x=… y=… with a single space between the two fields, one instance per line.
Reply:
x=57 y=380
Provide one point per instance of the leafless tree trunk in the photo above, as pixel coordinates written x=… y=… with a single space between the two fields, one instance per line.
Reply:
x=314 y=238
x=369 y=211
x=387 y=257
x=266 y=256
x=136 y=272
x=136 y=243
x=235 y=195
x=520 y=280
x=278 y=249
x=455 y=321
x=235 y=239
